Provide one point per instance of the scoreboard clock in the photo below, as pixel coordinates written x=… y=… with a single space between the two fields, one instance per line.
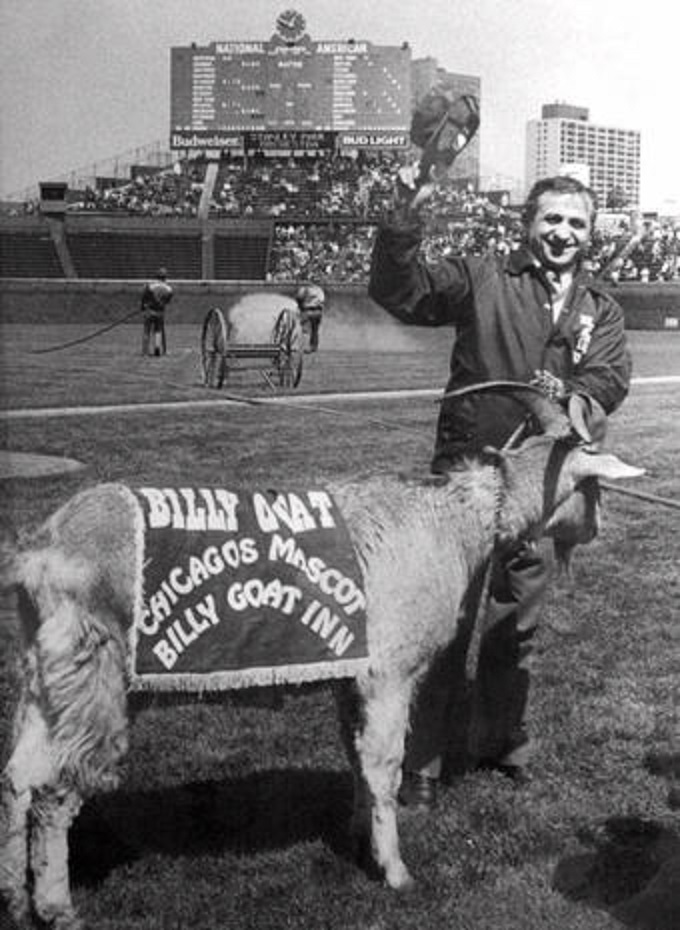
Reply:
x=290 y=25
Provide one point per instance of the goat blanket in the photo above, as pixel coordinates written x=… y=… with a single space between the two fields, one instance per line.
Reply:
x=243 y=589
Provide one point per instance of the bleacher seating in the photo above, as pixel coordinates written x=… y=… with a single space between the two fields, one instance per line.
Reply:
x=30 y=254
x=282 y=219
x=104 y=254
x=241 y=257
x=328 y=186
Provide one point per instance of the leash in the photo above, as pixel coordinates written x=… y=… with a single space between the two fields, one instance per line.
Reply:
x=473 y=743
x=265 y=402
x=474 y=647
x=376 y=421
x=472 y=657
x=641 y=495
x=236 y=398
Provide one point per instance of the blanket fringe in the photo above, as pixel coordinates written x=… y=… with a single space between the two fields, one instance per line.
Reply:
x=197 y=682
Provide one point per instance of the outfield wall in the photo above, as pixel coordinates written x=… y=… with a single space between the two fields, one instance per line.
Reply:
x=650 y=306
x=22 y=300
x=80 y=301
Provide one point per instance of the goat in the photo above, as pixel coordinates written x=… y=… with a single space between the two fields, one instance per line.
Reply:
x=419 y=544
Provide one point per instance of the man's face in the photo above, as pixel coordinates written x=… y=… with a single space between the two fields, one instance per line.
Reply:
x=560 y=230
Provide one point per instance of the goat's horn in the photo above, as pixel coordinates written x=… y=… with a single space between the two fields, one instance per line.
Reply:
x=577 y=417
x=551 y=418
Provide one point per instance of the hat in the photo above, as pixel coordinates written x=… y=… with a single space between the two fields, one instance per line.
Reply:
x=442 y=125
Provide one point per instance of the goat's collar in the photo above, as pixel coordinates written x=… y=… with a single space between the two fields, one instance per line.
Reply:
x=499 y=501
x=499 y=495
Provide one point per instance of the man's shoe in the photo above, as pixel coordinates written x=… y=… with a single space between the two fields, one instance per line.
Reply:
x=418 y=791
x=518 y=774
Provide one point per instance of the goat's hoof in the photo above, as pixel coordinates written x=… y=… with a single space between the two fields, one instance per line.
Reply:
x=362 y=855
x=400 y=879
x=17 y=909
x=63 y=920
x=72 y=922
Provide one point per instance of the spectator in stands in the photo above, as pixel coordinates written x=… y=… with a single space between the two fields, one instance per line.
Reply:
x=156 y=296
x=536 y=316
x=352 y=191
x=311 y=300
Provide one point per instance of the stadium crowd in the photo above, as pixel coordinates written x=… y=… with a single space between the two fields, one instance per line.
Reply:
x=174 y=192
x=326 y=186
x=325 y=209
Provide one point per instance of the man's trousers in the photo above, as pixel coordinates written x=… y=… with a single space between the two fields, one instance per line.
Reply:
x=459 y=723
x=154 y=329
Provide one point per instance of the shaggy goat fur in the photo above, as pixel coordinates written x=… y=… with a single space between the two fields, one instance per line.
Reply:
x=420 y=546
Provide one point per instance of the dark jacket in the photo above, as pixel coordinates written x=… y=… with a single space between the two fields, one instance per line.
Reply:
x=502 y=311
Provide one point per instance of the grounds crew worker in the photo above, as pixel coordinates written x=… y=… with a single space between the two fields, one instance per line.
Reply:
x=533 y=316
x=156 y=296
x=311 y=300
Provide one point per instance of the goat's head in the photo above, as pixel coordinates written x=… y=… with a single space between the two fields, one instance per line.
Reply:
x=574 y=462
x=575 y=519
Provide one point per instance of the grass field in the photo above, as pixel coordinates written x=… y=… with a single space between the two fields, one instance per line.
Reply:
x=235 y=816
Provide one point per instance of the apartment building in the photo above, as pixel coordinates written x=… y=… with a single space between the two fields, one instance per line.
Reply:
x=564 y=141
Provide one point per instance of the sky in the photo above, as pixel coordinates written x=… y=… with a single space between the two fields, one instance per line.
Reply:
x=84 y=80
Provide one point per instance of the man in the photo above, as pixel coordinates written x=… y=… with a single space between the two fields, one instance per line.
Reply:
x=531 y=316
x=311 y=300
x=156 y=296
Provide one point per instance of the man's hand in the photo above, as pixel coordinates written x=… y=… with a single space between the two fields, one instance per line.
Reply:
x=552 y=386
x=409 y=193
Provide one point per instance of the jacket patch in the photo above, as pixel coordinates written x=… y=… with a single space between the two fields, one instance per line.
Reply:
x=585 y=334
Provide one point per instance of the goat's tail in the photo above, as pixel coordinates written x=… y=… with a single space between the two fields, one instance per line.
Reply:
x=79 y=650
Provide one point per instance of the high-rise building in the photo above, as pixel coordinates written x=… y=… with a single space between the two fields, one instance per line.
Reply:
x=564 y=141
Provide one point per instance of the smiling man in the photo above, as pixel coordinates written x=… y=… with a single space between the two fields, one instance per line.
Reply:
x=560 y=228
x=534 y=316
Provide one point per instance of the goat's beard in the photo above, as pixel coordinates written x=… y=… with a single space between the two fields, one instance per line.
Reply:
x=576 y=522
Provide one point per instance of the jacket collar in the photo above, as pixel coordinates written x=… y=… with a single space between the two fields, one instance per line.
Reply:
x=522 y=259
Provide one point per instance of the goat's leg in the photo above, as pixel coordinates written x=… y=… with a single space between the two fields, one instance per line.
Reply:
x=29 y=766
x=35 y=813
x=16 y=802
x=380 y=748
x=54 y=809
x=351 y=723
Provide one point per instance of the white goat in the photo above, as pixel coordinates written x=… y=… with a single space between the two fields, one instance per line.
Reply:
x=419 y=546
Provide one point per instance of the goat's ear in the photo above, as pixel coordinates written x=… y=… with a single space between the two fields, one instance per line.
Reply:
x=606 y=465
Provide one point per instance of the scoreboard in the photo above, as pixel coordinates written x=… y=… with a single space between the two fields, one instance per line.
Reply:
x=224 y=91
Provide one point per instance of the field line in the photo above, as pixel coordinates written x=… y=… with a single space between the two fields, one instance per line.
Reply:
x=287 y=400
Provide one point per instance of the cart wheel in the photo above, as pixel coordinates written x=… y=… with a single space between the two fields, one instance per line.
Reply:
x=214 y=348
x=287 y=335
